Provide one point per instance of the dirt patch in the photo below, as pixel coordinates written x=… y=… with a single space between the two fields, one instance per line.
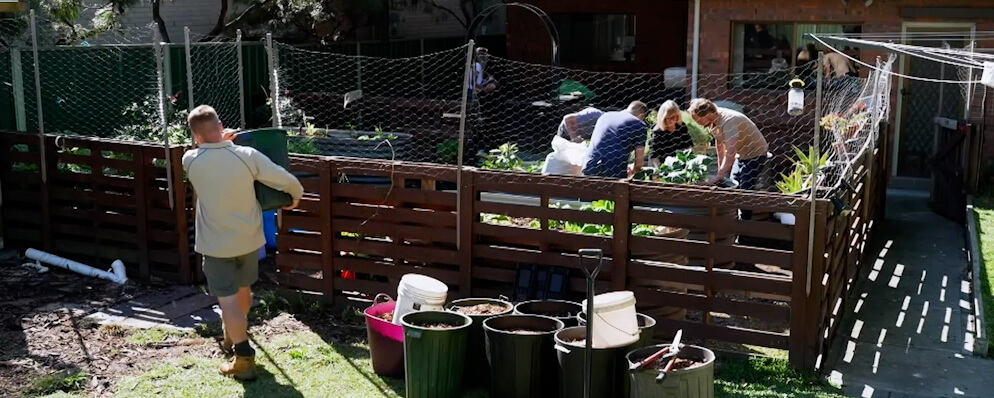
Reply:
x=525 y=331
x=483 y=309
x=435 y=326
x=679 y=363
x=386 y=316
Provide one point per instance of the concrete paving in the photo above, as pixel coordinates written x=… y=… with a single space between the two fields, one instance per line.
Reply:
x=180 y=307
x=908 y=331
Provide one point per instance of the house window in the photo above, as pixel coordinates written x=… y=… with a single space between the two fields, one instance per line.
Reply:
x=767 y=53
x=595 y=38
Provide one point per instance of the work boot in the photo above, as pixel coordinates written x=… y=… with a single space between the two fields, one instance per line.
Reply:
x=241 y=368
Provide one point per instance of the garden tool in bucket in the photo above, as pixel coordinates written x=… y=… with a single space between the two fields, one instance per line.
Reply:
x=673 y=352
x=598 y=255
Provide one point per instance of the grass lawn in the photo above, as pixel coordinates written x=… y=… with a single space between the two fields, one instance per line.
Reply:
x=983 y=207
x=302 y=364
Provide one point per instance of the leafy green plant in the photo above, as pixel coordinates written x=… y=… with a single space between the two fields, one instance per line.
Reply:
x=448 y=151
x=142 y=122
x=811 y=161
x=64 y=381
x=684 y=168
x=379 y=136
x=504 y=157
x=793 y=183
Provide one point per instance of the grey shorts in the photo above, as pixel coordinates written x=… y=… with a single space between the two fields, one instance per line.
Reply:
x=226 y=275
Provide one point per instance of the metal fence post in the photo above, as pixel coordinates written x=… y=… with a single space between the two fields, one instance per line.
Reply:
x=38 y=100
x=274 y=84
x=358 y=74
x=462 y=139
x=163 y=123
x=189 y=67
x=814 y=176
x=241 y=78
x=17 y=87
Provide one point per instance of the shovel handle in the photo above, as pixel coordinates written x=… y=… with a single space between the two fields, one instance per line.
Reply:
x=597 y=254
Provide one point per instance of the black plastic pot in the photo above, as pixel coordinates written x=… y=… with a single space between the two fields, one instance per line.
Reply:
x=522 y=357
x=564 y=311
x=610 y=377
x=477 y=367
x=434 y=358
x=693 y=382
x=647 y=328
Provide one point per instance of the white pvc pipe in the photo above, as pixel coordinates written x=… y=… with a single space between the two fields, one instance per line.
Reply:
x=117 y=275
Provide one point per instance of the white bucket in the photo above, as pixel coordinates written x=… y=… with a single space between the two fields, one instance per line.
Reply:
x=675 y=77
x=615 y=323
x=419 y=293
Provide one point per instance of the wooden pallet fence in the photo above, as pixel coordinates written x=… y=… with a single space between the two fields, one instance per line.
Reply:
x=846 y=234
x=103 y=201
x=363 y=224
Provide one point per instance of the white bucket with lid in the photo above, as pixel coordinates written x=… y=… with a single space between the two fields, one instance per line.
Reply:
x=419 y=293
x=615 y=323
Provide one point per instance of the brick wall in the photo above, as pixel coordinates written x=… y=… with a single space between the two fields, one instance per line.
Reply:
x=718 y=16
x=884 y=16
x=660 y=30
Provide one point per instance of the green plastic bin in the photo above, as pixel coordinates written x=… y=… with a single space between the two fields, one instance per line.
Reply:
x=434 y=358
x=693 y=382
x=272 y=143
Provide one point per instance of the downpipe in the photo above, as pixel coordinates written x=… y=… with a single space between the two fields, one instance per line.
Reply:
x=116 y=275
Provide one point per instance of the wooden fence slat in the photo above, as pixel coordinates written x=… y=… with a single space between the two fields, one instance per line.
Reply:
x=569 y=241
x=578 y=216
x=398 y=233
x=393 y=196
x=395 y=272
x=438 y=219
x=622 y=231
x=408 y=253
x=328 y=254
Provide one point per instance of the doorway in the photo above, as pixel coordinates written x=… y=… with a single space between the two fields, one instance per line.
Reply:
x=919 y=102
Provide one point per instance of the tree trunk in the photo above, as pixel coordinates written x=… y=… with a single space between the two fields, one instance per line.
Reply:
x=219 y=26
x=159 y=22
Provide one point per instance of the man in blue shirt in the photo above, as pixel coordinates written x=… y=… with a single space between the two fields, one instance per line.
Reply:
x=616 y=135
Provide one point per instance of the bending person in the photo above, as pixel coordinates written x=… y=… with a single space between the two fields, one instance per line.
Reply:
x=616 y=135
x=568 y=154
x=735 y=134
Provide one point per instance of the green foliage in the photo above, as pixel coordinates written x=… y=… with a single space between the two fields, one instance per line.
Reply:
x=504 y=157
x=809 y=162
x=448 y=151
x=793 y=183
x=379 y=136
x=805 y=167
x=684 y=168
x=142 y=122
x=62 y=381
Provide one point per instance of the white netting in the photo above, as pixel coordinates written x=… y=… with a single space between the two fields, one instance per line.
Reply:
x=403 y=109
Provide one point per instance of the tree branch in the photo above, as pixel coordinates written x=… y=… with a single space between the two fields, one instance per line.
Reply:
x=159 y=22
x=219 y=26
x=462 y=21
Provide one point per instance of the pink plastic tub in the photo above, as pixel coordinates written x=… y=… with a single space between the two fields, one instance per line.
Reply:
x=386 y=340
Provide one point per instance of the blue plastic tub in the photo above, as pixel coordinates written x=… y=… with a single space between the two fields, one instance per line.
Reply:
x=269 y=228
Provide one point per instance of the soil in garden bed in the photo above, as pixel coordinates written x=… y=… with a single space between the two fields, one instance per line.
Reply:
x=386 y=316
x=525 y=331
x=435 y=326
x=483 y=309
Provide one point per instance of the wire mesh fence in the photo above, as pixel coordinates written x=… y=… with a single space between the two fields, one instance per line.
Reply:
x=215 y=68
x=402 y=109
x=515 y=116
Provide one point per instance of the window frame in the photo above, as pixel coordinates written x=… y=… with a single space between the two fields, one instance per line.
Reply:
x=733 y=55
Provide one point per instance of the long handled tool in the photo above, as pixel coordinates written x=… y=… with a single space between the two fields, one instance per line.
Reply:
x=588 y=355
x=675 y=351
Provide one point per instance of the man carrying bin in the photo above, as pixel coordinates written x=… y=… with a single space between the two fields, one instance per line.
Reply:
x=229 y=224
